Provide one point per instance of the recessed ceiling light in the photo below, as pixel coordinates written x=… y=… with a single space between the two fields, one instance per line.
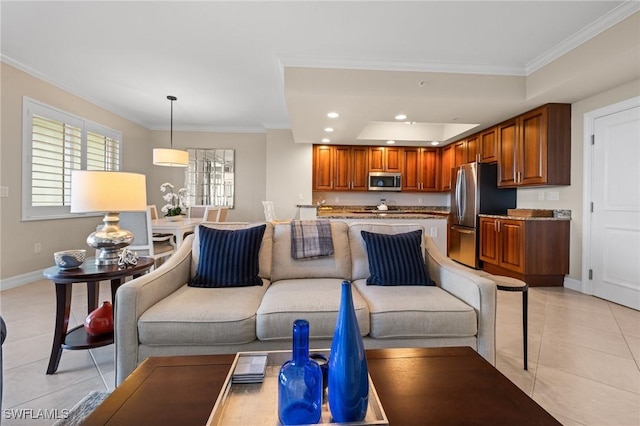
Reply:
x=434 y=143
x=326 y=140
x=409 y=122
x=333 y=114
x=328 y=129
x=391 y=142
x=401 y=117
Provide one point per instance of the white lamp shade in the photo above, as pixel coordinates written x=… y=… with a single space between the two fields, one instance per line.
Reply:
x=170 y=157
x=99 y=191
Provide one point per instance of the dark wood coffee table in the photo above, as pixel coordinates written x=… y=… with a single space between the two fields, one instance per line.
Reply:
x=435 y=386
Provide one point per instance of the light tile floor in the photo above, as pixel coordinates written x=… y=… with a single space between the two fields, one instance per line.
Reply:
x=584 y=355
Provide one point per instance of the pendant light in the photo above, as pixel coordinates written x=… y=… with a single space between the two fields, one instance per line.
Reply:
x=170 y=157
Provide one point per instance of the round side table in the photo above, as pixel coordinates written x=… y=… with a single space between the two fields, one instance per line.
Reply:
x=78 y=338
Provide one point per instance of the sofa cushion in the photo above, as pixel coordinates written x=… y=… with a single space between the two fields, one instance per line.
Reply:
x=202 y=316
x=265 y=246
x=416 y=311
x=360 y=261
x=228 y=258
x=317 y=300
x=337 y=265
x=396 y=259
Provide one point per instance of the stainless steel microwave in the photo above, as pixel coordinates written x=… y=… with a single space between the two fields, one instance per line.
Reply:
x=381 y=181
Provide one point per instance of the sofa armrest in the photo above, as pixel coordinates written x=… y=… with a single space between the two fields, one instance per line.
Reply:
x=136 y=296
x=476 y=291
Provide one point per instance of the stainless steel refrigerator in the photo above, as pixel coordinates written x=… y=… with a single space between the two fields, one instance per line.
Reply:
x=474 y=190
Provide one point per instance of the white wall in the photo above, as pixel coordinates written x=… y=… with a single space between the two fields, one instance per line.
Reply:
x=250 y=152
x=288 y=177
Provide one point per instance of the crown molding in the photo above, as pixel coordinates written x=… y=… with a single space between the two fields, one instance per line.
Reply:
x=602 y=24
x=40 y=76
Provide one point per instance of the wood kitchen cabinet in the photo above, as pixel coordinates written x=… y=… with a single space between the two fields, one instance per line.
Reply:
x=459 y=152
x=385 y=159
x=534 y=251
x=323 y=165
x=421 y=170
x=340 y=168
x=351 y=168
x=535 y=148
x=446 y=164
x=488 y=145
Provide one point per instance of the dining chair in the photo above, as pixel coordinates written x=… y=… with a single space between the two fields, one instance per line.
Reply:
x=145 y=243
x=198 y=211
x=157 y=236
x=270 y=213
x=216 y=214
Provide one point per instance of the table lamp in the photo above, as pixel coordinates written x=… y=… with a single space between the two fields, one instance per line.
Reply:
x=109 y=193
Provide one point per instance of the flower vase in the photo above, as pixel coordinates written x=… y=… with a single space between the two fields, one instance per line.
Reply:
x=175 y=218
x=300 y=382
x=348 y=375
x=100 y=321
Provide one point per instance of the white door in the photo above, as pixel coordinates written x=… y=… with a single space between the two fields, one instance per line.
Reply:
x=615 y=221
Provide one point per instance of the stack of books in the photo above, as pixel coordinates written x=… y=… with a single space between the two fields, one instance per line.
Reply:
x=250 y=369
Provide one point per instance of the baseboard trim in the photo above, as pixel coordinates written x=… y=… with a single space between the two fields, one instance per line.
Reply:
x=20 y=280
x=573 y=284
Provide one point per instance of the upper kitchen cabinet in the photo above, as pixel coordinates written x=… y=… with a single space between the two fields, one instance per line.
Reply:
x=534 y=148
x=421 y=169
x=488 y=145
x=446 y=157
x=340 y=168
x=459 y=152
x=323 y=166
x=351 y=168
x=385 y=159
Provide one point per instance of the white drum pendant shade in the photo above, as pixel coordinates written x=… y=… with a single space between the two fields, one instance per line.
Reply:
x=170 y=157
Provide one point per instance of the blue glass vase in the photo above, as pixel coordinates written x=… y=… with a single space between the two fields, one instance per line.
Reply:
x=348 y=374
x=300 y=382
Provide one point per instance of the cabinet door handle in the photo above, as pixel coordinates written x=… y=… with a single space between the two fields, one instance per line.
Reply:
x=499 y=225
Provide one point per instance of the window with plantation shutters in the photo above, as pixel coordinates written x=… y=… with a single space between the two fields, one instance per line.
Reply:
x=54 y=144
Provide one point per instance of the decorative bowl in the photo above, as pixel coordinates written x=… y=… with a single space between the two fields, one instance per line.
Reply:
x=69 y=259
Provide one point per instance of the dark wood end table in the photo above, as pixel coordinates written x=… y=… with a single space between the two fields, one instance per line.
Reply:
x=90 y=273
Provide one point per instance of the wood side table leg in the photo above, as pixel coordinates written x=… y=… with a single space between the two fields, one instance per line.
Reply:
x=93 y=293
x=115 y=284
x=63 y=308
x=525 y=308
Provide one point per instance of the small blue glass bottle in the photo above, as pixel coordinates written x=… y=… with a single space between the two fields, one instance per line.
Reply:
x=300 y=382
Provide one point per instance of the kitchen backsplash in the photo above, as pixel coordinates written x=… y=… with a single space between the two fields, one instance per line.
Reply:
x=355 y=198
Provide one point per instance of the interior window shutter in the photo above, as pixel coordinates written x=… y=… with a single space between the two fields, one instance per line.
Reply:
x=56 y=150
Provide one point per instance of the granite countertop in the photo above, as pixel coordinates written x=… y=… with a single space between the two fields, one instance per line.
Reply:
x=394 y=212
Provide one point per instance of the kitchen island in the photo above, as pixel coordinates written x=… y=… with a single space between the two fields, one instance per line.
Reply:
x=433 y=218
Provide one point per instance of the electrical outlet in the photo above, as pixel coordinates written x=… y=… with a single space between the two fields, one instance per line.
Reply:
x=300 y=197
x=37 y=248
x=419 y=200
x=553 y=196
x=4 y=191
x=541 y=196
x=337 y=199
x=433 y=232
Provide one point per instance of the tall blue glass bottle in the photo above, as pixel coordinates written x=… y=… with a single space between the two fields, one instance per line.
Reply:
x=348 y=375
x=300 y=382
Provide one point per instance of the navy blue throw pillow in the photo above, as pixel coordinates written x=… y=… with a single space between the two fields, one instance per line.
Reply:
x=396 y=259
x=229 y=258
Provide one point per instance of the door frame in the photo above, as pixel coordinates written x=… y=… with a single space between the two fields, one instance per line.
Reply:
x=589 y=128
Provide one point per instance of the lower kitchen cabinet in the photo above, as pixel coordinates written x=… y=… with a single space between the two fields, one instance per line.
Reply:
x=535 y=251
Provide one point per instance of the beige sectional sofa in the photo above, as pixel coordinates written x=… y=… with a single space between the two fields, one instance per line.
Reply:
x=159 y=315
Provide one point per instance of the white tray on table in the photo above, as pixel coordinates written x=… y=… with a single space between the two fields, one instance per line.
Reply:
x=242 y=404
